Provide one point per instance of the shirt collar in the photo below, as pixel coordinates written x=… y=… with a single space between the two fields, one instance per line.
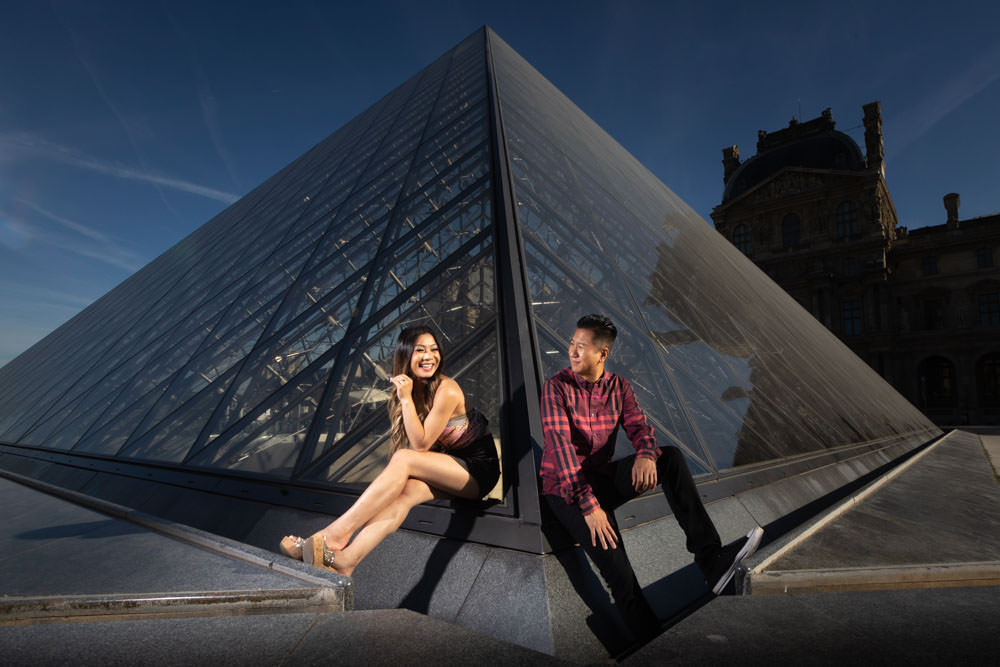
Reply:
x=587 y=384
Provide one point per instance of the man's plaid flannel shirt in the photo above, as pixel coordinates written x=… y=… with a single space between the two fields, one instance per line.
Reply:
x=580 y=420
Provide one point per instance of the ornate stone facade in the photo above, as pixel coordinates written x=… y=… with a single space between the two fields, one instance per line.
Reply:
x=921 y=307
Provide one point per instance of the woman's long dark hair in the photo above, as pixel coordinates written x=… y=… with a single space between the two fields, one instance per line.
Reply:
x=422 y=401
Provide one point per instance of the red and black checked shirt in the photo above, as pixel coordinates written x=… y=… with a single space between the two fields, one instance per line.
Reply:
x=580 y=420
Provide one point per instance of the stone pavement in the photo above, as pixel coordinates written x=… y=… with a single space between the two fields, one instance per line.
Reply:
x=931 y=626
x=933 y=521
x=102 y=585
x=906 y=572
x=116 y=587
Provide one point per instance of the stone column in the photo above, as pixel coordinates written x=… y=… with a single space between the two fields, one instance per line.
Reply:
x=730 y=161
x=874 y=146
x=951 y=204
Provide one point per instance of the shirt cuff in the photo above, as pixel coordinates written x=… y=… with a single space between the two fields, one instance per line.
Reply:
x=651 y=453
x=588 y=504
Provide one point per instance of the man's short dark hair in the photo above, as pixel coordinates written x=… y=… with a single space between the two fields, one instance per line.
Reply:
x=604 y=329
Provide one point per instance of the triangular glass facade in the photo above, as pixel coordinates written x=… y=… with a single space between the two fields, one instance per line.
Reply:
x=726 y=365
x=479 y=199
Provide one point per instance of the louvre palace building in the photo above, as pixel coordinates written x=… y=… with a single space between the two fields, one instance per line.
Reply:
x=921 y=307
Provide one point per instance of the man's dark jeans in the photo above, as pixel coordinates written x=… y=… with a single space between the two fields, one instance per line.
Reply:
x=614 y=489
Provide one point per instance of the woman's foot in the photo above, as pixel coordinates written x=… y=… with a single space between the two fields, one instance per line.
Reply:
x=291 y=546
x=296 y=547
x=315 y=552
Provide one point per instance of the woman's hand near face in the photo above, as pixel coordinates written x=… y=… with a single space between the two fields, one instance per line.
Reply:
x=404 y=387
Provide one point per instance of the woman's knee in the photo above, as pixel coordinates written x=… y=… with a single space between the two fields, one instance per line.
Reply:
x=411 y=496
x=403 y=459
x=414 y=493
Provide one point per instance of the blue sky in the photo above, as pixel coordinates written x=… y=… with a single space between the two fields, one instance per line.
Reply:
x=124 y=126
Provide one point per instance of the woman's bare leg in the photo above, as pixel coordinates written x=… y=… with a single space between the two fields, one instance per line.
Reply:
x=437 y=470
x=382 y=525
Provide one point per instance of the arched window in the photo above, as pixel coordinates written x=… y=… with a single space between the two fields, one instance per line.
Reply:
x=936 y=376
x=988 y=378
x=741 y=238
x=791 y=231
x=847 y=219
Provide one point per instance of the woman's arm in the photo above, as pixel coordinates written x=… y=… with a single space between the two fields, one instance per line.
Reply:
x=423 y=436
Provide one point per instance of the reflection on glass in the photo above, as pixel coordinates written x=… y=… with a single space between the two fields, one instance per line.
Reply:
x=725 y=364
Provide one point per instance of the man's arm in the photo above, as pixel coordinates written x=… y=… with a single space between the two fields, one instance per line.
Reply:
x=640 y=433
x=559 y=461
x=561 y=465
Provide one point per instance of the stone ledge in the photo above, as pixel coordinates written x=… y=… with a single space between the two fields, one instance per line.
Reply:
x=890 y=577
x=341 y=586
x=59 y=609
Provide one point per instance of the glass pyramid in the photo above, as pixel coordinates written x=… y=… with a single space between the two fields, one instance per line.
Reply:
x=477 y=198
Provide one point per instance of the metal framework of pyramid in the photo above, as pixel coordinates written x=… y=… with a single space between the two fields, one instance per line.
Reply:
x=478 y=199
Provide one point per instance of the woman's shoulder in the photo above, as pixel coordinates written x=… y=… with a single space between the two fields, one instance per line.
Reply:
x=452 y=394
x=449 y=387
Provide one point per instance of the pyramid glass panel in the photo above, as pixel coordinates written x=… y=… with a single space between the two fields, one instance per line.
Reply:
x=109 y=437
x=601 y=234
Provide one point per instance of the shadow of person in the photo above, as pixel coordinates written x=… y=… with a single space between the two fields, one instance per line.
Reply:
x=604 y=621
x=459 y=528
x=86 y=530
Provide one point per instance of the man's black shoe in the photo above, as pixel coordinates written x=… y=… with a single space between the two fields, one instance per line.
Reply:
x=720 y=570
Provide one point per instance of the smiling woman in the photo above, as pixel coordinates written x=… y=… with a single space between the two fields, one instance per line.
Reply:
x=440 y=449
x=418 y=357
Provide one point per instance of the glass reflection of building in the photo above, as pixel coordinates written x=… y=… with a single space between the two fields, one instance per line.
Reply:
x=726 y=366
x=478 y=199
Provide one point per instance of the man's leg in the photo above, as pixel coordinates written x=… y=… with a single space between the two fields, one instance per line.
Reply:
x=614 y=566
x=716 y=563
x=682 y=496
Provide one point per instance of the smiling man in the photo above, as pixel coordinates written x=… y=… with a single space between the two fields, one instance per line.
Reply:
x=582 y=408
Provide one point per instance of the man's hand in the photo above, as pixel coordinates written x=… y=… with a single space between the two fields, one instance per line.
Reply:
x=643 y=474
x=600 y=529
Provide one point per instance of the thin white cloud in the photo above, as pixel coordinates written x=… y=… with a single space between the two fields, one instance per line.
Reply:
x=916 y=122
x=82 y=55
x=112 y=256
x=155 y=179
x=206 y=98
x=35 y=294
x=66 y=222
x=209 y=111
x=106 y=250
x=109 y=257
x=25 y=145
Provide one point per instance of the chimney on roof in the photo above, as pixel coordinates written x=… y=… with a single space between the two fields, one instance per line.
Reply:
x=874 y=147
x=951 y=204
x=730 y=161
